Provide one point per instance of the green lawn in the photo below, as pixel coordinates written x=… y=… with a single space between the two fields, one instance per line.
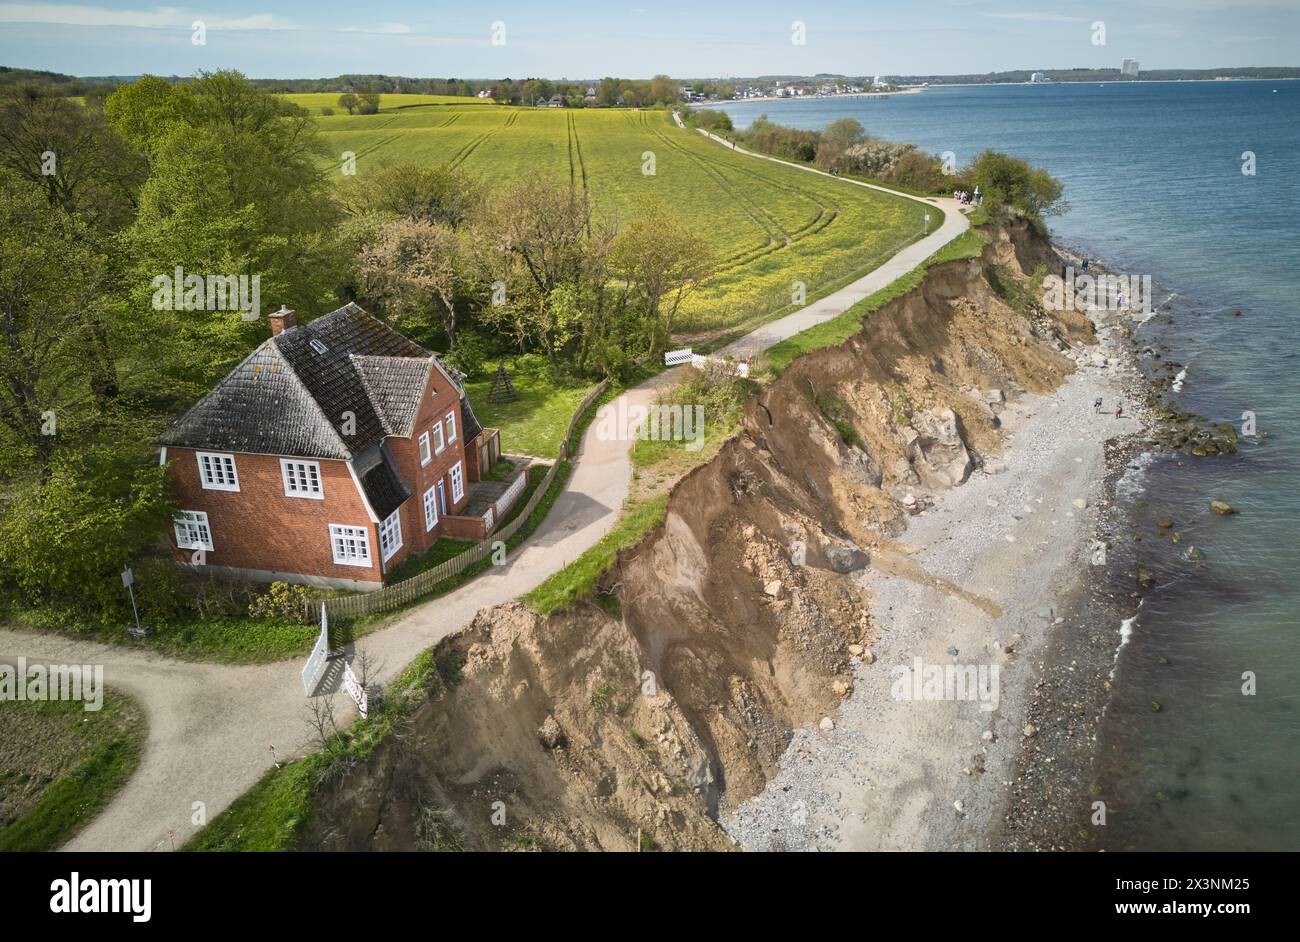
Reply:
x=233 y=639
x=60 y=764
x=534 y=424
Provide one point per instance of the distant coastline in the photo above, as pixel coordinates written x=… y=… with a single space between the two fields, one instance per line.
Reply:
x=911 y=89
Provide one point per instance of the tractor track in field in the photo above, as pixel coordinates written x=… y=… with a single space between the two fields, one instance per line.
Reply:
x=761 y=218
x=474 y=143
x=826 y=214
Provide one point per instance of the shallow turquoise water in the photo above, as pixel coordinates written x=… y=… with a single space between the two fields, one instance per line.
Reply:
x=1153 y=175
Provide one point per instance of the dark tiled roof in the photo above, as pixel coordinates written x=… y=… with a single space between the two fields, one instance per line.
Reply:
x=468 y=420
x=329 y=389
x=395 y=386
x=384 y=487
x=260 y=407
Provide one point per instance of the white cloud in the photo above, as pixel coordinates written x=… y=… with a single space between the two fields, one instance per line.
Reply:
x=61 y=14
x=1036 y=17
x=385 y=29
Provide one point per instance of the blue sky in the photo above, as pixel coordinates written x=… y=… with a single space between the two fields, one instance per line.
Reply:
x=282 y=39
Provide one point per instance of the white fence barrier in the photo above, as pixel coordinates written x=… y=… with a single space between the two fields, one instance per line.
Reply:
x=739 y=368
x=675 y=357
x=507 y=500
x=315 y=666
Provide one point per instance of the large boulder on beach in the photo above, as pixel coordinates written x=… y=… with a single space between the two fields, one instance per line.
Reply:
x=937 y=450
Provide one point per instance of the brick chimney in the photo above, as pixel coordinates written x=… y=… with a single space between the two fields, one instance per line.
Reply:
x=282 y=320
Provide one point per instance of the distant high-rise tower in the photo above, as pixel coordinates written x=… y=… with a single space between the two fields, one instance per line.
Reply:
x=1129 y=67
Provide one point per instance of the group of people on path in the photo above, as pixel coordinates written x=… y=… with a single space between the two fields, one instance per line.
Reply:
x=1096 y=408
x=966 y=199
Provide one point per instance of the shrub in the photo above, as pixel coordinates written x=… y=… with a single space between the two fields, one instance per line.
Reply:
x=160 y=589
x=469 y=353
x=282 y=602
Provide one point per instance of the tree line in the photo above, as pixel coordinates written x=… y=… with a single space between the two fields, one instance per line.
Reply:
x=1010 y=186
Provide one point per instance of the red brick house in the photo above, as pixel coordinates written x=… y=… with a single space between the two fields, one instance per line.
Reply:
x=330 y=454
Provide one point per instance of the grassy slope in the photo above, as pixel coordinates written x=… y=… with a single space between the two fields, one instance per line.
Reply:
x=771 y=226
x=61 y=764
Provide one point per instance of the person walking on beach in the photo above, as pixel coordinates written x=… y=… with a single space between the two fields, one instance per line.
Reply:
x=1119 y=410
x=1096 y=406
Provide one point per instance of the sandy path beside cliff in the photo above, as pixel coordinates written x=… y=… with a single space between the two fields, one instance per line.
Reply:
x=986 y=563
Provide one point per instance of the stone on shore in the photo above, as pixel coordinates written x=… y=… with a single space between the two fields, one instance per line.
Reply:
x=1222 y=508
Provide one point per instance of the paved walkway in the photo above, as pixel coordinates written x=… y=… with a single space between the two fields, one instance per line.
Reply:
x=211 y=726
x=835 y=303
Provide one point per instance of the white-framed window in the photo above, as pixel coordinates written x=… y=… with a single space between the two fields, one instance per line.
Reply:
x=351 y=545
x=425 y=455
x=217 y=471
x=301 y=479
x=430 y=508
x=390 y=535
x=192 y=531
x=457 y=482
x=451 y=426
x=438 y=443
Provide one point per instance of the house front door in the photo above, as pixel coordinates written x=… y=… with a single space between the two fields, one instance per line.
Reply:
x=442 y=500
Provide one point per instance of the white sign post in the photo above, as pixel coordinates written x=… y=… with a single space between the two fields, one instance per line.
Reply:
x=355 y=690
x=315 y=667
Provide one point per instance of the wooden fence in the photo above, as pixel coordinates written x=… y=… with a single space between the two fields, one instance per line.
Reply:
x=408 y=590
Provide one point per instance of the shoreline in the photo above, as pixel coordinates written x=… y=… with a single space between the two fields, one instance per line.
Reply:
x=998 y=572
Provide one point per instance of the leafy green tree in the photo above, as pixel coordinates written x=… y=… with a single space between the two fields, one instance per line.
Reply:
x=416 y=267
x=71 y=153
x=52 y=285
x=235 y=190
x=349 y=101
x=143 y=110
x=659 y=262
x=434 y=194
x=1012 y=186
x=65 y=538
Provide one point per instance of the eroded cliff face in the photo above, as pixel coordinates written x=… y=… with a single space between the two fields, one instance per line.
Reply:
x=642 y=718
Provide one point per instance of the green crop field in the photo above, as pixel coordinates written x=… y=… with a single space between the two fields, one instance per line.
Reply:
x=315 y=101
x=771 y=226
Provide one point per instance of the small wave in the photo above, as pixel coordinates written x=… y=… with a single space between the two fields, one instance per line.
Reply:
x=1132 y=481
x=1178 y=380
x=1125 y=632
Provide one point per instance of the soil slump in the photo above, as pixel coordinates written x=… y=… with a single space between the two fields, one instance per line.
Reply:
x=642 y=720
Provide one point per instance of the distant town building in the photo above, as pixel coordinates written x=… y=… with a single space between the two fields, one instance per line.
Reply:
x=1038 y=78
x=1129 y=67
